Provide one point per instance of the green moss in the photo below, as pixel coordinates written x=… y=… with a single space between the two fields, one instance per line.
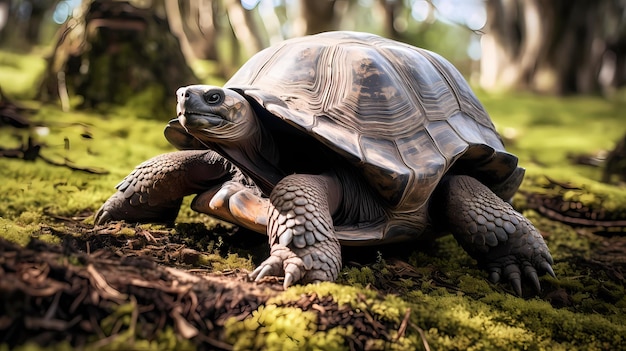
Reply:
x=543 y=130
x=274 y=324
x=557 y=326
x=21 y=74
x=16 y=233
x=128 y=335
x=32 y=346
x=49 y=238
x=358 y=276
x=588 y=192
x=283 y=328
x=474 y=286
x=230 y=262
x=501 y=321
x=142 y=104
x=34 y=186
x=389 y=308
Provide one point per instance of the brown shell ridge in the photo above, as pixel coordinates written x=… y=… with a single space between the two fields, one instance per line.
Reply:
x=430 y=147
x=475 y=128
x=462 y=92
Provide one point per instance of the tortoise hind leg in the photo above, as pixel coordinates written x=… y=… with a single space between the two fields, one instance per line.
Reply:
x=303 y=245
x=492 y=232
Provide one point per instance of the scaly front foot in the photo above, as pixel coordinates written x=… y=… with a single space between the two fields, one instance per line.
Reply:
x=301 y=234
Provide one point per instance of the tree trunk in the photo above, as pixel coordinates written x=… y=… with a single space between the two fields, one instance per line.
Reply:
x=389 y=9
x=245 y=28
x=195 y=24
x=22 y=22
x=114 y=51
x=316 y=16
x=557 y=46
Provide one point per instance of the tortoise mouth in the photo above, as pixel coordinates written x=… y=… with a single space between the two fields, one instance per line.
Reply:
x=201 y=120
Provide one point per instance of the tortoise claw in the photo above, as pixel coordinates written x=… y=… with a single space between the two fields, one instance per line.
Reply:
x=531 y=274
x=282 y=261
x=494 y=274
x=513 y=274
x=260 y=272
x=516 y=284
x=547 y=267
x=102 y=216
x=269 y=267
x=288 y=280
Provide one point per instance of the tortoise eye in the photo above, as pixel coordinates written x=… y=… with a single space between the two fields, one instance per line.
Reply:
x=214 y=97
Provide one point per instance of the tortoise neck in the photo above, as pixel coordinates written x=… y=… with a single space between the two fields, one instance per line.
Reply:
x=258 y=158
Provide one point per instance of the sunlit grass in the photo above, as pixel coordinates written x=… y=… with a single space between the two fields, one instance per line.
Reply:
x=105 y=143
x=546 y=129
x=20 y=75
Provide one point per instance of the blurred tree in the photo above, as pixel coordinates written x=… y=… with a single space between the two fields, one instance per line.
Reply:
x=21 y=22
x=195 y=23
x=215 y=30
x=245 y=27
x=112 y=51
x=390 y=10
x=317 y=16
x=556 y=46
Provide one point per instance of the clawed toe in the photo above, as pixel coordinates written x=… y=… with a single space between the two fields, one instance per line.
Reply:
x=269 y=267
x=516 y=272
x=531 y=273
x=547 y=267
x=261 y=271
x=282 y=262
x=512 y=272
x=102 y=216
x=494 y=274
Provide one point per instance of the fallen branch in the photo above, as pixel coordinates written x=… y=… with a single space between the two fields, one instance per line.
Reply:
x=32 y=151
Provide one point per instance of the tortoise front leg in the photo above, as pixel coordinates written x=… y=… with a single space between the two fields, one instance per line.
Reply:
x=303 y=245
x=154 y=190
x=492 y=232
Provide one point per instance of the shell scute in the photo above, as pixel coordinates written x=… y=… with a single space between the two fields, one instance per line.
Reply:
x=382 y=156
x=344 y=140
x=429 y=90
x=426 y=162
x=446 y=140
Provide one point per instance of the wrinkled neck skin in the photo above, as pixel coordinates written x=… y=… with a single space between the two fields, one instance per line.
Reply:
x=257 y=156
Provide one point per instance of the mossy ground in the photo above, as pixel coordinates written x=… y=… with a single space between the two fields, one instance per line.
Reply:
x=450 y=304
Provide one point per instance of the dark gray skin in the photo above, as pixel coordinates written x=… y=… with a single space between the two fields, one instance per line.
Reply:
x=154 y=191
x=305 y=215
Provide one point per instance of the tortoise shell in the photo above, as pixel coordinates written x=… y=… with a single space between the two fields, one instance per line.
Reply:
x=402 y=115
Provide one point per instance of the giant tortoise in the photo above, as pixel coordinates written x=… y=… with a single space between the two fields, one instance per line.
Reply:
x=341 y=137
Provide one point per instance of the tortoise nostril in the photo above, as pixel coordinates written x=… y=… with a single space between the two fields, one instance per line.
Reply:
x=182 y=93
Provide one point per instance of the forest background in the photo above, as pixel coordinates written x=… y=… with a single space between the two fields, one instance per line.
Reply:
x=87 y=87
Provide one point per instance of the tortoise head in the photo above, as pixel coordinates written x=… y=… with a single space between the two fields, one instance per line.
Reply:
x=215 y=115
x=223 y=120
